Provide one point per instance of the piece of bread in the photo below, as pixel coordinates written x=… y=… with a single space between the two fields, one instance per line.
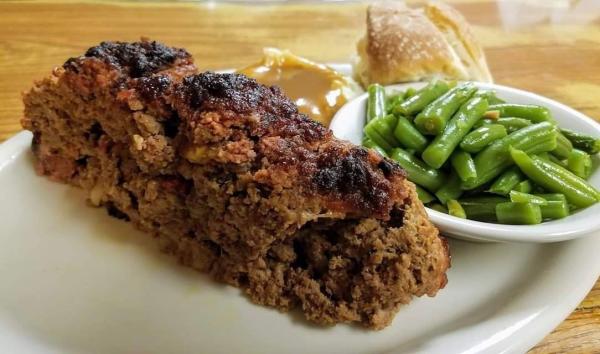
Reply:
x=404 y=44
x=231 y=179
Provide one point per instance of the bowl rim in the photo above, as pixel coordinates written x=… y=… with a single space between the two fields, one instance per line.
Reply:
x=549 y=231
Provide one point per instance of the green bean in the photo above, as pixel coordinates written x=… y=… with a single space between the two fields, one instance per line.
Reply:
x=424 y=196
x=422 y=98
x=484 y=121
x=368 y=143
x=555 y=210
x=518 y=213
x=463 y=164
x=552 y=158
x=479 y=191
x=556 y=179
x=479 y=138
x=557 y=206
x=490 y=96
x=375 y=102
x=524 y=186
x=455 y=209
x=555 y=159
x=380 y=151
x=513 y=123
x=417 y=171
x=563 y=147
x=583 y=142
x=434 y=116
x=393 y=95
x=376 y=138
x=392 y=101
x=450 y=190
x=510 y=123
x=409 y=136
x=507 y=181
x=382 y=129
x=496 y=157
x=438 y=207
x=579 y=163
x=536 y=114
x=444 y=144
x=520 y=197
x=482 y=208
x=552 y=197
x=411 y=91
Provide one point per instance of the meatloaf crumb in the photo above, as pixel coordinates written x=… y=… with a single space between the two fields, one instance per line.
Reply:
x=233 y=181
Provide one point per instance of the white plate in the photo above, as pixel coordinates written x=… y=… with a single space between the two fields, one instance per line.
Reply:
x=74 y=280
x=348 y=124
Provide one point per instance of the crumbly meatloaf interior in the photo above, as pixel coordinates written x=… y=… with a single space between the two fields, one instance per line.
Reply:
x=232 y=180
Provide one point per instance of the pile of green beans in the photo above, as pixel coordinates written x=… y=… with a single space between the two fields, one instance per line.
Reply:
x=473 y=155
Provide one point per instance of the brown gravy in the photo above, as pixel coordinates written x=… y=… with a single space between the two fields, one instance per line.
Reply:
x=317 y=90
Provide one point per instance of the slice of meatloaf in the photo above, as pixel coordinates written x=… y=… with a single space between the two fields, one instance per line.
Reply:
x=232 y=180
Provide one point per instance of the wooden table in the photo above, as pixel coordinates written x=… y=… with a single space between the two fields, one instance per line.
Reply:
x=548 y=47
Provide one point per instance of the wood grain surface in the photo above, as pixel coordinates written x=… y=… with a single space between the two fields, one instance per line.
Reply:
x=548 y=47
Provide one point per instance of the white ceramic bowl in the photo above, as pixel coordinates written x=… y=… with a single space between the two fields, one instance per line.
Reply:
x=350 y=119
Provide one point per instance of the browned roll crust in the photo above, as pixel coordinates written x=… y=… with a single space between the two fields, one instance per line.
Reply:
x=232 y=180
x=404 y=44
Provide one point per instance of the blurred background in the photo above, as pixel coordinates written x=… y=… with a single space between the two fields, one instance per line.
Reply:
x=519 y=36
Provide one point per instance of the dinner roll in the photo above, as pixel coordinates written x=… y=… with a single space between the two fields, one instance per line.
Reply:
x=404 y=44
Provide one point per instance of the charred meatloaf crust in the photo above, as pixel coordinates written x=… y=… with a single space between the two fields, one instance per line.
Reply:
x=233 y=181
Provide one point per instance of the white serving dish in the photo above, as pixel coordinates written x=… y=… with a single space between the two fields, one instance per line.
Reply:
x=350 y=119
